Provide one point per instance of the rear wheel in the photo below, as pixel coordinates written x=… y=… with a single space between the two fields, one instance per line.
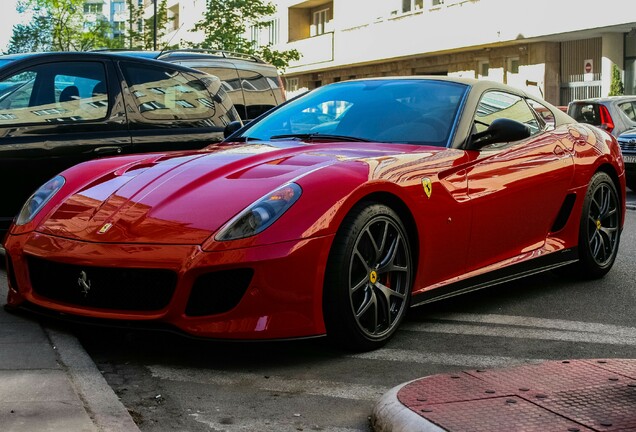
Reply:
x=369 y=277
x=599 y=231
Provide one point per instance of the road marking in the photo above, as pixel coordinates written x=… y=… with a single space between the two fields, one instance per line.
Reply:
x=465 y=360
x=272 y=383
x=528 y=328
x=250 y=425
x=524 y=321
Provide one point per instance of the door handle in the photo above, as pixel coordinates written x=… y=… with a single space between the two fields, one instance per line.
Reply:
x=108 y=150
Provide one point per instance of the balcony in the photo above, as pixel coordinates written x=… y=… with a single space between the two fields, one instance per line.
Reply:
x=314 y=50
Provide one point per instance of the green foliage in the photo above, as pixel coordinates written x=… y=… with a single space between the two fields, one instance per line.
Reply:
x=32 y=37
x=225 y=23
x=140 y=32
x=616 y=85
x=59 y=25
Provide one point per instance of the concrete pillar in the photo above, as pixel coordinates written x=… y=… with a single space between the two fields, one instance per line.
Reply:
x=611 y=54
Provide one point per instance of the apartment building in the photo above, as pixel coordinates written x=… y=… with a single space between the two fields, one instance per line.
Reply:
x=559 y=49
x=112 y=11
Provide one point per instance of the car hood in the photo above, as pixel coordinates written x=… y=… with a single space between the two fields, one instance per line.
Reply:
x=183 y=198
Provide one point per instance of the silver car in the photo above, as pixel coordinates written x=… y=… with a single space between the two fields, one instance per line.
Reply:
x=627 y=141
x=615 y=114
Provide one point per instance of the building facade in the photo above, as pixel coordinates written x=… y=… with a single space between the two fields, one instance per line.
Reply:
x=559 y=49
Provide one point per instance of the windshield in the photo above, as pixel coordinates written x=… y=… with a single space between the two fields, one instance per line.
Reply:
x=413 y=111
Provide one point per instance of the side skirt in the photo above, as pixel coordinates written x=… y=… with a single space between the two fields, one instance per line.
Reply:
x=507 y=274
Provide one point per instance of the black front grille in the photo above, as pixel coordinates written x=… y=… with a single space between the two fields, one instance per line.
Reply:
x=628 y=145
x=218 y=292
x=130 y=289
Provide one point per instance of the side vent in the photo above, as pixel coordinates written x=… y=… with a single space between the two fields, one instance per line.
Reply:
x=564 y=213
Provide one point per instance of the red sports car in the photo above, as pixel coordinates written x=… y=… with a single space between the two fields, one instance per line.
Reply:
x=330 y=215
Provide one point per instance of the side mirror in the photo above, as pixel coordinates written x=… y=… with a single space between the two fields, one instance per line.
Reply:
x=231 y=128
x=500 y=130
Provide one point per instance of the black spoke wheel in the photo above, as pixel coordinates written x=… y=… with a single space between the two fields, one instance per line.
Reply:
x=369 y=277
x=599 y=232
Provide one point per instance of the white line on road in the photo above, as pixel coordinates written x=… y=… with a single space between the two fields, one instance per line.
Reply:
x=516 y=327
x=272 y=383
x=464 y=360
x=249 y=425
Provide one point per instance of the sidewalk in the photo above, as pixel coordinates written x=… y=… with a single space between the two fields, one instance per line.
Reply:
x=49 y=383
x=568 y=396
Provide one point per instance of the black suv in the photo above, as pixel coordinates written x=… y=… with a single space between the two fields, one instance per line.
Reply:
x=253 y=85
x=59 y=109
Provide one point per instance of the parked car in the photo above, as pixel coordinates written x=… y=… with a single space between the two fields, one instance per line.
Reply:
x=254 y=86
x=59 y=109
x=615 y=114
x=627 y=141
x=331 y=214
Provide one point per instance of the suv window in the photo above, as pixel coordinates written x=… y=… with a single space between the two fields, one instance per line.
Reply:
x=585 y=113
x=629 y=108
x=166 y=94
x=70 y=92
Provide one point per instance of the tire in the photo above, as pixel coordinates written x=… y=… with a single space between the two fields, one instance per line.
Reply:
x=368 y=278
x=599 y=231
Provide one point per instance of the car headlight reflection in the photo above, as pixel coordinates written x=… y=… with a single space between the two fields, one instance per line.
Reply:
x=261 y=214
x=39 y=199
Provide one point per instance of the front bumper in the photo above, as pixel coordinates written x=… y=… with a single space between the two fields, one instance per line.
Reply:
x=282 y=300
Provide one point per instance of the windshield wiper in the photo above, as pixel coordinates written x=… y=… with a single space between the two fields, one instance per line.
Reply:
x=245 y=139
x=319 y=136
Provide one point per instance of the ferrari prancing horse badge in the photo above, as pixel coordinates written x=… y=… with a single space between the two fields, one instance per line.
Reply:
x=428 y=186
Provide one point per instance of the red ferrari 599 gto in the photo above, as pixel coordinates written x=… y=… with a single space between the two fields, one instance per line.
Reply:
x=330 y=215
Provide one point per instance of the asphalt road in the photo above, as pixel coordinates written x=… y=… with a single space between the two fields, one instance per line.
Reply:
x=170 y=383
x=176 y=384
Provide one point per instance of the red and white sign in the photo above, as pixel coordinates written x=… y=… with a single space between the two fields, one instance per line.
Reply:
x=588 y=70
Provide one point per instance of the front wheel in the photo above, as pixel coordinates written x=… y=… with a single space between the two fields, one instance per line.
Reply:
x=369 y=276
x=599 y=231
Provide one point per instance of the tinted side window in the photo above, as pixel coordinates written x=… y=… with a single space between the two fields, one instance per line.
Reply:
x=231 y=84
x=166 y=94
x=629 y=108
x=259 y=97
x=496 y=104
x=585 y=113
x=55 y=93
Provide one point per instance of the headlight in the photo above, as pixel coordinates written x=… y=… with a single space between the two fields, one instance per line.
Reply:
x=261 y=214
x=39 y=199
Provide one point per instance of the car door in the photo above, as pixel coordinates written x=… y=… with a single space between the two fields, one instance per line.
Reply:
x=55 y=114
x=517 y=188
x=172 y=109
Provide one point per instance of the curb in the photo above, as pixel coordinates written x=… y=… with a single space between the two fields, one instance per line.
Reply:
x=100 y=401
x=390 y=415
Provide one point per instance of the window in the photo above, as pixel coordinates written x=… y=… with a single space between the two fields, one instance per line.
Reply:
x=513 y=65
x=412 y=5
x=93 y=8
x=544 y=113
x=168 y=94
x=65 y=92
x=482 y=69
x=629 y=109
x=292 y=84
x=119 y=7
x=319 y=22
x=495 y=104
x=437 y=2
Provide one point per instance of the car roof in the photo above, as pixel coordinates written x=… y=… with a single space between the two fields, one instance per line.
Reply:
x=70 y=55
x=606 y=99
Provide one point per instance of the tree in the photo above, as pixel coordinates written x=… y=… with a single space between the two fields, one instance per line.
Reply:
x=59 y=25
x=616 y=86
x=225 y=23
x=32 y=37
